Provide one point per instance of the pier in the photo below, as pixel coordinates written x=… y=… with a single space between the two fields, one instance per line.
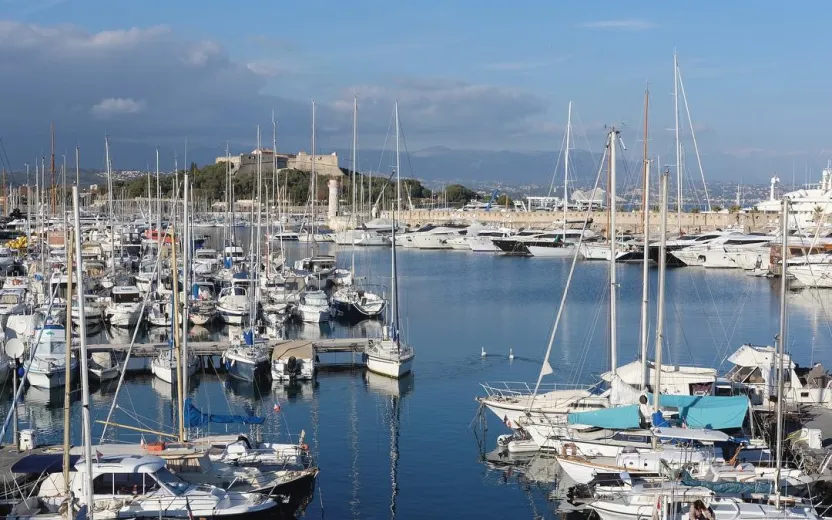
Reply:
x=142 y=352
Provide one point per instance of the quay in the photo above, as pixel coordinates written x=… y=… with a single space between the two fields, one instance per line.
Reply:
x=627 y=221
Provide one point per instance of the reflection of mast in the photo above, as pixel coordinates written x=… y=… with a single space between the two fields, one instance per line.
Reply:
x=354 y=446
x=394 y=453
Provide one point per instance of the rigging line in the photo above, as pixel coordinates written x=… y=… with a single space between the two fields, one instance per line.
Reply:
x=817 y=292
x=557 y=162
x=5 y=155
x=384 y=146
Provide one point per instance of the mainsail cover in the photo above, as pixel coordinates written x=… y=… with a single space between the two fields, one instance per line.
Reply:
x=707 y=411
x=619 y=418
x=194 y=418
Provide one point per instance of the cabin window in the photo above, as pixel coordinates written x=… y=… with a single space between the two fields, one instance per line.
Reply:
x=804 y=394
x=131 y=484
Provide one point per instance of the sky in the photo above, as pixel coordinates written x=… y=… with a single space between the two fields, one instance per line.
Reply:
x=468 y=75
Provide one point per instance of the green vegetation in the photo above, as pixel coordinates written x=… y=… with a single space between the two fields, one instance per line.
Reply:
x=459 y=194
x=503 y=201
x=209 y=184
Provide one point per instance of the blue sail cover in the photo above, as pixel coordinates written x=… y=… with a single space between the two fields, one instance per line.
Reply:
x=619 y=418
x=194 y=418
x=707 y=411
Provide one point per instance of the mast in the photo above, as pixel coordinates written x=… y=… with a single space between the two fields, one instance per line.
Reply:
x=82 y=332
x=110 y=201
x=781 y=339
x=645 y=268
x=394 y=319
x=613 y=274
x=52 y=188
x=158 y=206
x=660 y=290
x=68 y=385
x=180 y=362
x=186 y=269
x=566 y=166
x=678 y=142
x=353 y=215
x=313 y=181
x=259 y=254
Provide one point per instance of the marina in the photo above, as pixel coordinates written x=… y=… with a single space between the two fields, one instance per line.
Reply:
x=249 y=294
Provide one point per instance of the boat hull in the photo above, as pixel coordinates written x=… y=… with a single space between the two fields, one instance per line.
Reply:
x=52 y=379
x=244 y=370
x=389 y=367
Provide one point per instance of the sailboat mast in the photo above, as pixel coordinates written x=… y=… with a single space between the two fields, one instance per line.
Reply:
x=259 y=245
x=110 y=201
x=660 y=297
x=186 y=270
x=394 y=321
x=158 y=205
x=781 y=340
x=645 y=268
x=566 y=166
x=314 y=179
x=353 y=216
x=82 y=332
x=68 y=361
x=613 y=276
x=678 y=142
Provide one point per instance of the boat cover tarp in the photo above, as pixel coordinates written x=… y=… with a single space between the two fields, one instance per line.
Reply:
x=194 y=418
x=708 y=411
x=43 y=463
x=619 y=418
x=730 y=488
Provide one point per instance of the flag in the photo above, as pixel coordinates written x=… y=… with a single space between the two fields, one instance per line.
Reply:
x=546 y=369
x=276 y=407
x=98 y=456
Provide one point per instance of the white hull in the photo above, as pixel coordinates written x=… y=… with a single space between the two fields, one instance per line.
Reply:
x=233 y=316
x=428 y=241
x=552 y=252
x=121 y=318
x=813 y=275
x=104 y=374
x=201 y=319
x=168 y=373
x=388 y=367
x=313 y=314
x=53 y=379
x=482 y=245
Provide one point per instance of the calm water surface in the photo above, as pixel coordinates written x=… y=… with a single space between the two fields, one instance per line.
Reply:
x=405 y=449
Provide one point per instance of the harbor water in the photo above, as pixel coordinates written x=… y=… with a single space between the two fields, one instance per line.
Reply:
x=407 y=448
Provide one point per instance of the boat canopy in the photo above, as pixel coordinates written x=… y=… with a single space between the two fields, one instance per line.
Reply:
x=43 y=464
x=707 y=411
x=730 y=488
x=194 y=418
x=619 y=418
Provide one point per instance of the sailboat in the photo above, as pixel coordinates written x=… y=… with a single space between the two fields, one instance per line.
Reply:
x=390 y=356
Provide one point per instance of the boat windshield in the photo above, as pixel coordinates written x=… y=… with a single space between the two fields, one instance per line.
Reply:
x=9 y=299
x=170 y=481
x=127 y=297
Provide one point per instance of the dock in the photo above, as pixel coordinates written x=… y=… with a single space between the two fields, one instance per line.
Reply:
x=216 y=348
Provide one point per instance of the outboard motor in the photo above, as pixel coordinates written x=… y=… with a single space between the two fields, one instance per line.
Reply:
x=293 y=367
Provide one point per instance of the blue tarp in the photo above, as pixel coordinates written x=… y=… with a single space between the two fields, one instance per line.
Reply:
x=619 y=418
x=707 y=411
x=194 y=418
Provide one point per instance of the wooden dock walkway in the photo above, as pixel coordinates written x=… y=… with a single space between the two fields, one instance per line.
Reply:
x=216 y=348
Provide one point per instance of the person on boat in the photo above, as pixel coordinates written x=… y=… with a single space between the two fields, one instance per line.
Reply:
x=699 y=511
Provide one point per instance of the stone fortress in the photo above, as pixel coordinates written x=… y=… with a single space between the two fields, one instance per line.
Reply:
x=325 y=165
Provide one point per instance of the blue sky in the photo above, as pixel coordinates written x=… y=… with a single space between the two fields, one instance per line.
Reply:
x=469 y=75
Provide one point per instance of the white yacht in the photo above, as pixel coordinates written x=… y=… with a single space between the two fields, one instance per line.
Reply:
x=297 y=364
x=249 y=362
x=47 y=368
x=483 y=242
x=436 y=237
x=205 y=262
x=755 y=373
x=718 y=251
x=93 y=311
x=356 y=303
x=556 y=243
x=125 y=306
x=103 y=366
x=140 y=486
x=389 y=357
x=234 y=305
x=203 y=305
x=313 y=307
x=147 y=275
x=805 y=202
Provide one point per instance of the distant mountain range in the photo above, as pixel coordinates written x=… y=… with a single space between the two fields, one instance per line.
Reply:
x=438 y=165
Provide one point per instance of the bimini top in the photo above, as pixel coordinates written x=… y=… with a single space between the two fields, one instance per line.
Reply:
x=124 y=464
x=42 y=464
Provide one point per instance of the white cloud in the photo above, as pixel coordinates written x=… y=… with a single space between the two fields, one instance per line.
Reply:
x=111 y=107
x=630 y=24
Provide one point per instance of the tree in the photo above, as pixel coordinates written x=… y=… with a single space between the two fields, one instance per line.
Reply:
x=734 y=209
x=459 y=194
x=503 y=200
x=716 y=209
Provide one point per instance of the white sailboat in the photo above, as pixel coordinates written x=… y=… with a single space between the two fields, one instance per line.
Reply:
x=390 y=355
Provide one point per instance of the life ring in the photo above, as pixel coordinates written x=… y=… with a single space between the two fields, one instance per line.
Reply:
x=304 y=447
